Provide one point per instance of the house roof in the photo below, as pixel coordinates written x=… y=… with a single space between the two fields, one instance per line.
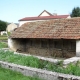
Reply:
x=46 y=12
x=52 y=29
x=51 y=16
x=44 y=17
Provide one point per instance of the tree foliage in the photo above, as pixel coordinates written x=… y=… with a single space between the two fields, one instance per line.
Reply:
x=3 y=25
x=75 y=12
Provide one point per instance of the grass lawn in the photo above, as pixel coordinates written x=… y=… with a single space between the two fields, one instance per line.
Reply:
x=6 y=74
x=3 y=45
x=73 y=69
x=3 y=37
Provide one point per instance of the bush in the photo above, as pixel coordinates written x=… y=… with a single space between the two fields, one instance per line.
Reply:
x=3 y=25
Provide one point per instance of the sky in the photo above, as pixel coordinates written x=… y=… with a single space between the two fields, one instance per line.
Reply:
x=13 y=10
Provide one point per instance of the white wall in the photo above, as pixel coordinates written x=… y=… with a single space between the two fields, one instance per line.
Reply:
x=11 y=27
x=3 y=32
x=78 y=48
x=69 y=17
x=10 y=43
x=44 y=14
x=22 y=22
x=16 y=45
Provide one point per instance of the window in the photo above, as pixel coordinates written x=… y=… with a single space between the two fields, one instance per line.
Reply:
x=57 y=44
x=65 y=44
x=73 y=46
x=51 y=44
x=32 y=42
x=69 y=45
x=44 y=43
x=37 y=43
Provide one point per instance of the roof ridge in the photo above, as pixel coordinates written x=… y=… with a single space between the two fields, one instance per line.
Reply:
x=45 y=11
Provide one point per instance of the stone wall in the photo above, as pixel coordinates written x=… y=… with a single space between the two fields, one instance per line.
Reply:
x=44 y=74
x=45 y=47
x=17 y=44
x=35 y=46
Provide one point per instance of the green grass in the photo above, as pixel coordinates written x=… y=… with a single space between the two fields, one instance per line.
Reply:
x=9 y=33
x=3 y=45
x=3 y=37
x=6 y=74
x=31 y=61
x=18 y=59
x=73 y=69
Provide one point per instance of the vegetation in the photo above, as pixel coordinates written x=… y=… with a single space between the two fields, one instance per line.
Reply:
x=31 y=61
x=3 y=37
x=6 y=74
x=18 y=59
x=8 y=33
x=75 y=12
x=73 y=69
x=3 y=25
x=3 y=45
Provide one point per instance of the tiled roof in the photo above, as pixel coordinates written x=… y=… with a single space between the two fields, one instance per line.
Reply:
x=44 y=17
x=56 y=29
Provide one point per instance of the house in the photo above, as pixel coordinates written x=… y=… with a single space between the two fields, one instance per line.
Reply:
x=45 y=15
x=11 y=27
x=58 y=37
x=3 y=33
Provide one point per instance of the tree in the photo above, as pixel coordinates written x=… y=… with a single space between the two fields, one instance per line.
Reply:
x=3 y=25
x=75 y=12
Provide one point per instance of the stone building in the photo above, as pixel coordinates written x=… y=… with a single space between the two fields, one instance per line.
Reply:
x=57 y=38
x=11 y=27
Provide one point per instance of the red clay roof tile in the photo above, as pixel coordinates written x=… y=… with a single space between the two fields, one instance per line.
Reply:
x=44 y=17
x=56 y=29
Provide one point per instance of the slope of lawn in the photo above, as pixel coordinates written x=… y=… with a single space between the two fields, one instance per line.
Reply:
x=3 y=41
x=6 y=74
x=3 y=37
x=3 y=45
x=73 y=69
